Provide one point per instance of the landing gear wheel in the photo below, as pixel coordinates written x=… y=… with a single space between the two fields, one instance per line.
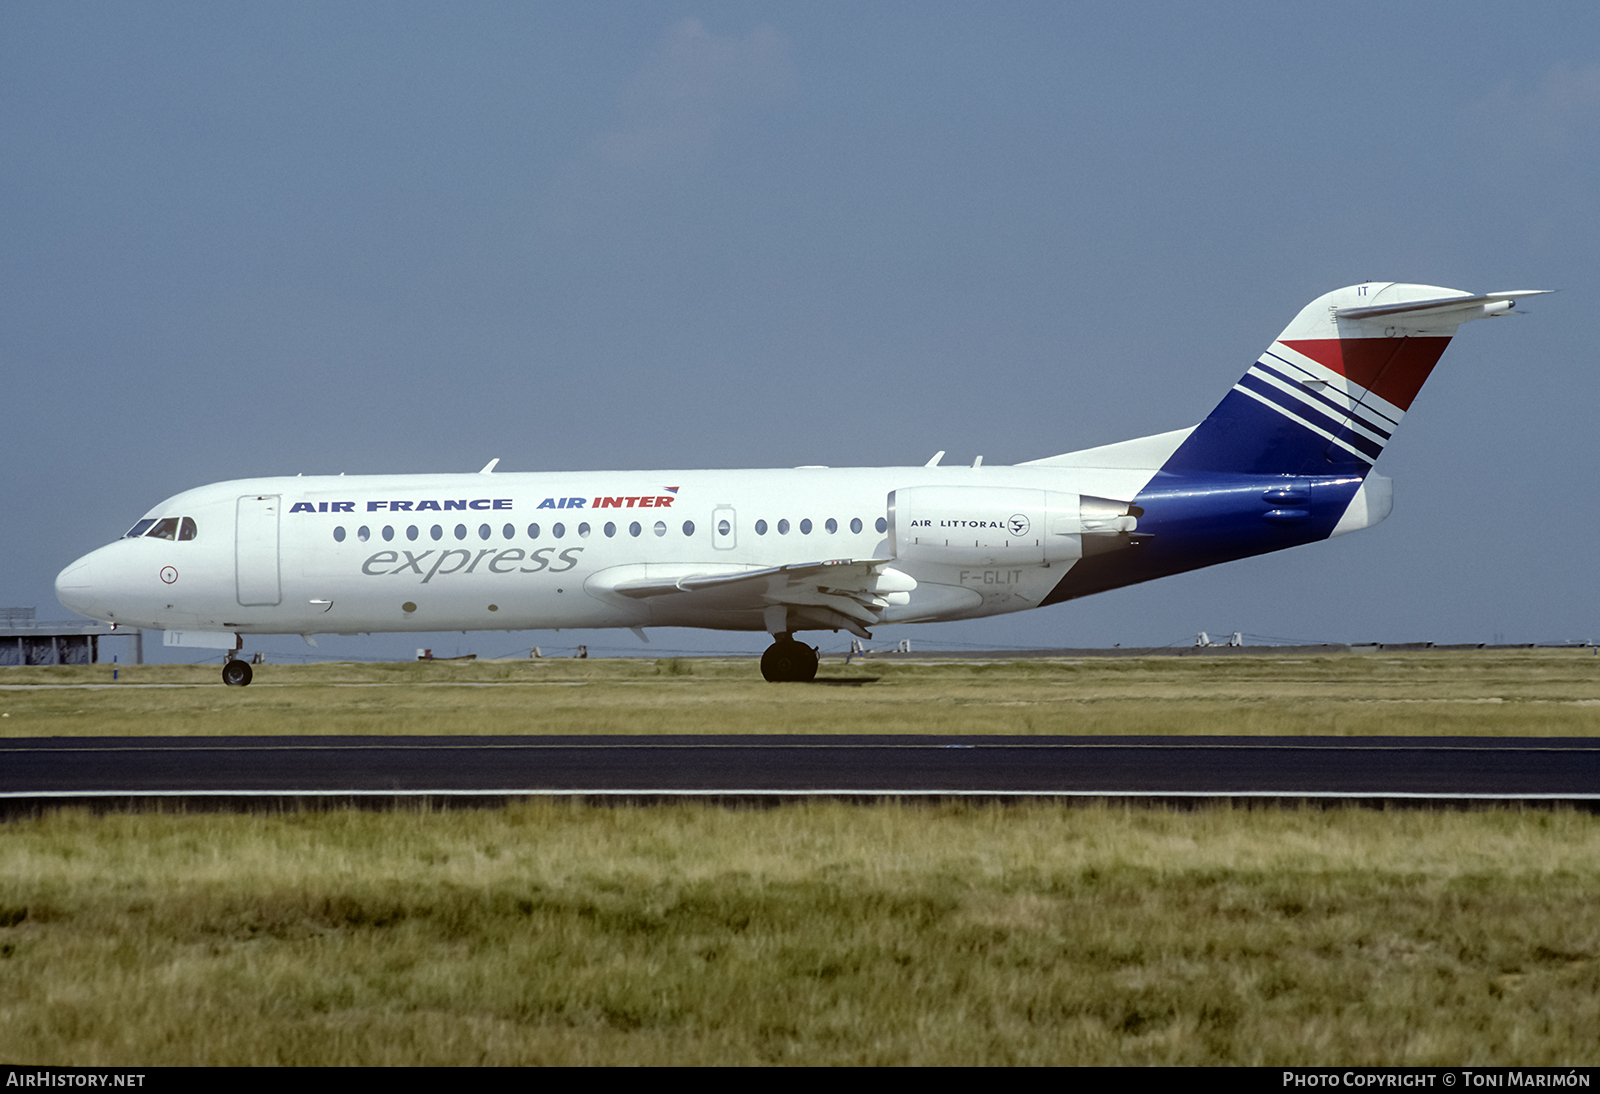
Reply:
x=236 y=674
x=788 y=661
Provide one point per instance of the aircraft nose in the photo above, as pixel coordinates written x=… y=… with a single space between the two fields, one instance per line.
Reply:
x=75 y=586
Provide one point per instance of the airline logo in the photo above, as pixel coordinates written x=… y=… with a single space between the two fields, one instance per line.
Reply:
x=634 y=501
x=428 y=565
x=445 y=505
x=402 y=506
x=1016 y=525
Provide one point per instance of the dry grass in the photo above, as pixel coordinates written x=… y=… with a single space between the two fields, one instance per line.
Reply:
x=1515 y=692
x=554 y=933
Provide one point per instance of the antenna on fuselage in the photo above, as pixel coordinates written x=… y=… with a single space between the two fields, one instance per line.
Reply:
x=937 y=456
x=488 y=468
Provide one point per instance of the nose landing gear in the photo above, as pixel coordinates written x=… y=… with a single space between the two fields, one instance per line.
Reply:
x=236 y=674
x=788 y=661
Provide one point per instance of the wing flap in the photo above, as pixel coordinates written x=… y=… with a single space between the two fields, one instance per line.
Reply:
x=858 y=590
x=700 y=581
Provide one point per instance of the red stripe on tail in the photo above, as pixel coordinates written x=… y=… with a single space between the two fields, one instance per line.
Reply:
x=1391 y=368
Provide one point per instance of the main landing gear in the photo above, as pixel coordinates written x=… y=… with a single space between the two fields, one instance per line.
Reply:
x=788 y=661
x=236 y=674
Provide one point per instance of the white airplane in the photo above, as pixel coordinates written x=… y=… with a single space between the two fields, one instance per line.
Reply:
x=1283 y=460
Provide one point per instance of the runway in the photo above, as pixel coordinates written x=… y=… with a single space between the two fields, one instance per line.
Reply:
x=1442 y=768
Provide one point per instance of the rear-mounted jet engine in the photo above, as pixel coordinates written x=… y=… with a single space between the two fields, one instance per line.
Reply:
x=1005 y=526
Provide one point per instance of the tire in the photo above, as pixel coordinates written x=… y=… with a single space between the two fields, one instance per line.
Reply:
x=236 y=674
x=788 y=662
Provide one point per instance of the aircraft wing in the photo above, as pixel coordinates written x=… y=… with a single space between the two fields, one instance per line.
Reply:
x=847 y=593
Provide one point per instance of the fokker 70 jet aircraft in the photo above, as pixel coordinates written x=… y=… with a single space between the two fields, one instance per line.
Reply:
x=1284 y=459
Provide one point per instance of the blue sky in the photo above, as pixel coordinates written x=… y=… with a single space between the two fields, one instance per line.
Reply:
x=254 y=239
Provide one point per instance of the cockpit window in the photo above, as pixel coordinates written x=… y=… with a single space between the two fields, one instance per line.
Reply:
x=164 y=528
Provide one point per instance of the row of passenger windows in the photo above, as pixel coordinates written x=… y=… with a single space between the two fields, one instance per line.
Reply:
x=830 y=525
x=163 y=528
x=559 y=531
x=509 y=531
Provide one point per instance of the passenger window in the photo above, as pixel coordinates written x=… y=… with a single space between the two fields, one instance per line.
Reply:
x=783 y=527
x=533 y=531
x=558 y=530
x=805 y=527
x=832 y=526
x=881 y=524
x=166 y=528
x=761 y=527
x=411 y=531
x=363 y=533
x=338 y=534
x=660 y=529
x=688 y=527
x=187 y=530
x=855 y=525
x=611 y=529
x=484 y=531
x=436 y=532
x=388 y=533
x=461 y=531
x=509 y=531
x=634 y=529
x=583 y=529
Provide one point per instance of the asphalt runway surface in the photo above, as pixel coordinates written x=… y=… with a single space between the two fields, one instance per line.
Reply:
x=1529 y=769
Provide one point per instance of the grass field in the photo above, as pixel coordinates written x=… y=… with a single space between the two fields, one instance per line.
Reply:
x=554 y=932
x=1501 y=692
x=558 y=933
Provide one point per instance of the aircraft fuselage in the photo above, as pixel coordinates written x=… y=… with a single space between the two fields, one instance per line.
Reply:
x=351 y=554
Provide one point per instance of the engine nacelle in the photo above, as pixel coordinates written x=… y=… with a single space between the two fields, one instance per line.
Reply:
x=1001 y=526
